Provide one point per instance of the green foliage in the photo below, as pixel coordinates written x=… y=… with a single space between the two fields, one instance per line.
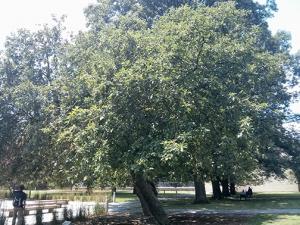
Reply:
x=198 y=88
x=99 y=210
x=28 y=66
x=152 y=86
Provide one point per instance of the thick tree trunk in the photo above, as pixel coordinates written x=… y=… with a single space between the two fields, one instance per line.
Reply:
x=216 y=189
x=149 y=202
x=225 y=187
x=232 y=188
x=200 y=192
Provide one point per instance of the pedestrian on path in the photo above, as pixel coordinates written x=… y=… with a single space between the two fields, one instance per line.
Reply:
x=19 y=202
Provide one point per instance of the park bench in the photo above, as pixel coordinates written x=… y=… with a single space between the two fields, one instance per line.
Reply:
x=42 y=206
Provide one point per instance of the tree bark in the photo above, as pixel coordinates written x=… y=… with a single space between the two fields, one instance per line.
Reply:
x=232 y=188
x=200 y=192
x=149 y=202
x=225 y=187
x=216 y=189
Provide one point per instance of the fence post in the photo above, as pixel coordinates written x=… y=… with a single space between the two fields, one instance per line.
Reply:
x=114 y=197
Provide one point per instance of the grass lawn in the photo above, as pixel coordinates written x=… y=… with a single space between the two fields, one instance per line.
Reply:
x=274 y=220
x=125 y=196
x=259 y=201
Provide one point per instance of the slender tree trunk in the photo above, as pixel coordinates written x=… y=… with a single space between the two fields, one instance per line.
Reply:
x=149 y=202
x=297 y=175
x=216 y=189
x=225 y=187
x=200 y=192
x=232 y=188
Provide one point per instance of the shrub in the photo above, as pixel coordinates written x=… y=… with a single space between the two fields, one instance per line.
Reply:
x=99 y=209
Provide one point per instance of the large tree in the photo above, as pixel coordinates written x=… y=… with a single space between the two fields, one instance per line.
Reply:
x=29 y=64
x=200 y=77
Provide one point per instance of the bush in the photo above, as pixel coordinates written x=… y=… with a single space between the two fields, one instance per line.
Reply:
x=99 y=209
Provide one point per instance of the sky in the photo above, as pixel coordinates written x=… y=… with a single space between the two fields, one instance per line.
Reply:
x=287 y=18
x=16 y=14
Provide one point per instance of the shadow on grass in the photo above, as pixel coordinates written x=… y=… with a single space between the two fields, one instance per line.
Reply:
x=198 y=219
x=274 y=220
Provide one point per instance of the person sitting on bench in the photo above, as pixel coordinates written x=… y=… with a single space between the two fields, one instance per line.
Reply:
x=243 y=194
x=249 y=192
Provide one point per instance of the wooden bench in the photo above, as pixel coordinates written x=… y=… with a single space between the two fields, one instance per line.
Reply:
x=43 y=206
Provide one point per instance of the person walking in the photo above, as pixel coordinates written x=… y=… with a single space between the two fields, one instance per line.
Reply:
x=19 y=202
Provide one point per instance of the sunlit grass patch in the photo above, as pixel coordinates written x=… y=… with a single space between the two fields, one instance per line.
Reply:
x=125 y=196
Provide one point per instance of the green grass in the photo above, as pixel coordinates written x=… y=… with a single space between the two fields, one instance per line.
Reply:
x=260 y=201
x=274 y=220
x=125 y=196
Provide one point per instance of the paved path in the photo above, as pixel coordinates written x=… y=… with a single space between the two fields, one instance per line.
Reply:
x=133 y=207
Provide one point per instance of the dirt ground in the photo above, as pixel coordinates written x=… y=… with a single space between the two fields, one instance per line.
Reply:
x=178 y=219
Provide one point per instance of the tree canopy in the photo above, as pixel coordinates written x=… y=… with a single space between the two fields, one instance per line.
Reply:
x=150 y=87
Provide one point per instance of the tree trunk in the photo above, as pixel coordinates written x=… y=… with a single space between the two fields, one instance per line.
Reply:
x=232 y=188
x=216 y=189
x=297 y=175
x=154 y=189
x=225 y=187
x=200 y=192
x=149 y=202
